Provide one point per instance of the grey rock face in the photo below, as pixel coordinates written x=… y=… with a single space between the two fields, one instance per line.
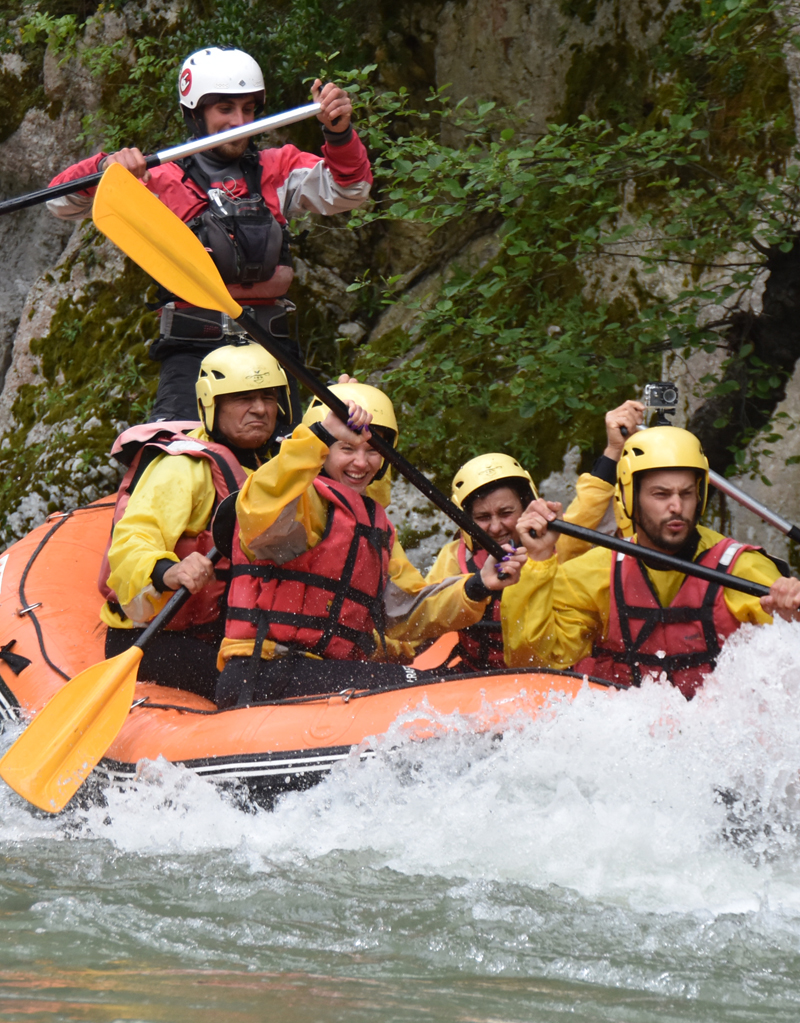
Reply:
x=31 y=240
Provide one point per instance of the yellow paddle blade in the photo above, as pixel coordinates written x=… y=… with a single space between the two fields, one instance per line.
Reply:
x=142 y=226
x=61 y=746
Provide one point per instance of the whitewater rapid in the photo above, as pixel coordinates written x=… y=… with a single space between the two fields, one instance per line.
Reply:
x=618 y=795
x=629 y=843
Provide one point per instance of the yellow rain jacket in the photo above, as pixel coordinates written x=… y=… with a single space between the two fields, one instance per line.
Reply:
x=173 y=497
x=278 y=504
x=556 y=612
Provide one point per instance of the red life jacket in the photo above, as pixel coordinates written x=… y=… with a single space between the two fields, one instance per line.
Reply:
x=327 y=600
x=209 y=604
x=689 y=633
x=480 y=645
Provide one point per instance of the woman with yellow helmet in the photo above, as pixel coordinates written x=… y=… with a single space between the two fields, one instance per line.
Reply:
x=319 y=581
x=494 y=489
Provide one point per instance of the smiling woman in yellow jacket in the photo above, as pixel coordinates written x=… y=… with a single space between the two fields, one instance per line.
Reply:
x=318 y=571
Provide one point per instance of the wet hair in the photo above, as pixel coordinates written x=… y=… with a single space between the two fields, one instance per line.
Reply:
x=520 y=486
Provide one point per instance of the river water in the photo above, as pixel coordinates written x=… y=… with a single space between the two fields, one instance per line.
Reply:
x=627 y=857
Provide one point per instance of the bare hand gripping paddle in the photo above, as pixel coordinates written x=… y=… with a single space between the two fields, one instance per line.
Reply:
x=244 y=131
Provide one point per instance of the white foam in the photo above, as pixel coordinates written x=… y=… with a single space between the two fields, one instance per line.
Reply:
x=614 y=795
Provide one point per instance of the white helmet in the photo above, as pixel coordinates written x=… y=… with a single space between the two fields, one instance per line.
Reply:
x=219 y=71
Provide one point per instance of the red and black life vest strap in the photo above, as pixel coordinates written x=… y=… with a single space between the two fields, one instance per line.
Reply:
x=653 y=616
x=487 y=633
x=341 y=588
x=150 y=451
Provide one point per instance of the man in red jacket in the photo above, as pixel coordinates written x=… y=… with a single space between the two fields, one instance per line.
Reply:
x=238 y=200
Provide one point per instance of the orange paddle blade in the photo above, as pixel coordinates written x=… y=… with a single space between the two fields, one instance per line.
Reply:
x=61 y=746
x=142 y=226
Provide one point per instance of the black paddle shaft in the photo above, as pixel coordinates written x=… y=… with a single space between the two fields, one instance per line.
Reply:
x=659 y=560
x=338 y=407
x=22 y=202
x=172 y=607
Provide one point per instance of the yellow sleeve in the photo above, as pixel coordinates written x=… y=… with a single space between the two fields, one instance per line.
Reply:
x=416 y=611
x=587 y=509
x=279 y=495
x=446 y=564
x=555 y=612
x=174 y=496
x=758 y=569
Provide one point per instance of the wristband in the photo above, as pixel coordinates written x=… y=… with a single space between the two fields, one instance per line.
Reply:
x=157 y=575
x=323 y=434
x=605 y=469
x=475 y=588
x=338 y=138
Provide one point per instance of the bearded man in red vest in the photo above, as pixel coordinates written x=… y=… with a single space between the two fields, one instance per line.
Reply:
x=613 y=617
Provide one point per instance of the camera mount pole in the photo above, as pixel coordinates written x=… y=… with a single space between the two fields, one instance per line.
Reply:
x=746 y=501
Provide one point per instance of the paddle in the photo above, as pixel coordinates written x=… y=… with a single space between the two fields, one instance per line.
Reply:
x=61 y=746
x=665 y=562
x=244 y=131
x=136 y=221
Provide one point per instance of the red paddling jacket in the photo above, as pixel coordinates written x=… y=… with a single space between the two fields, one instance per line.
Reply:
x=683 y=640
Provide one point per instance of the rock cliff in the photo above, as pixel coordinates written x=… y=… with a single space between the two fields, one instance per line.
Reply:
x=73 y=321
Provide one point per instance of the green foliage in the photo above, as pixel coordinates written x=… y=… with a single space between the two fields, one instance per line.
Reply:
x=682 y=170
x=94 y=377
x=530 y=346
x=139 y=78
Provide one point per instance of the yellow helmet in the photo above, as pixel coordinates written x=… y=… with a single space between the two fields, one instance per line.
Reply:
x=660 y=447
x=236 y=368
x=369 y=398
x=488 y=469
x=624 y=525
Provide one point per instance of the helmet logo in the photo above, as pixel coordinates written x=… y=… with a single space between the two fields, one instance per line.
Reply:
x=185 y=82
x=257 y=375
x=490 y=470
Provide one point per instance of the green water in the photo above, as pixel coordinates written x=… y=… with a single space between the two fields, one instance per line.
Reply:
x=583 y=868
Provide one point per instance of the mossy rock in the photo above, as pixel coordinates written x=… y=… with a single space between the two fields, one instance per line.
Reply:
x=94 y=379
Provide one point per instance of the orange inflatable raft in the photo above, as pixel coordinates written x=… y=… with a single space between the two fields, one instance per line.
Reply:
x=49 y=605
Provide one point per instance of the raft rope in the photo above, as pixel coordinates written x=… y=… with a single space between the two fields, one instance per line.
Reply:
x=29 y=608
x=358 y=694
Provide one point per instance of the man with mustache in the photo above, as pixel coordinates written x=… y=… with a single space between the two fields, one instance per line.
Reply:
x=613 y=617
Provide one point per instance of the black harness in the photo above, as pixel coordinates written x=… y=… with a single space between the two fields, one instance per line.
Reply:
x=245 y=240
